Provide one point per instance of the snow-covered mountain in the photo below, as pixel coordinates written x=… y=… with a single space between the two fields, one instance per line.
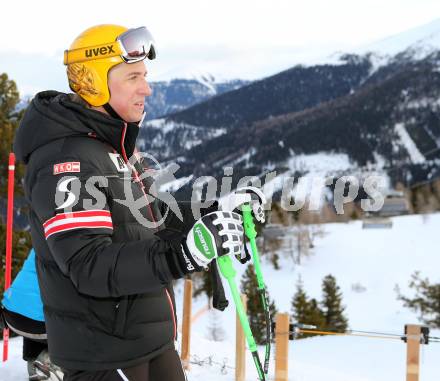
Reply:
x=180 y=93
x=421 y=41
x=379 y=108
x=293 y=90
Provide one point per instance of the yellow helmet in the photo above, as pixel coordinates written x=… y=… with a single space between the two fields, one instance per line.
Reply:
x=96 y=50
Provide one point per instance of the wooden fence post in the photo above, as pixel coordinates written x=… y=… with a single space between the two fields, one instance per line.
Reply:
x=281 y=347
x=413 y=336
x=240 y=346
x=186 y=324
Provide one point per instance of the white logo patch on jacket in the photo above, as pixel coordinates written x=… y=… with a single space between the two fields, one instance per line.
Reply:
x=62 y=189
x=119 y=162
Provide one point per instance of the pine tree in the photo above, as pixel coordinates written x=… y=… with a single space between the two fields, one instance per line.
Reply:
x=9 y=120
x=332 y=305
x=315 y=314
x=300 y=303
x=305 y=311
x=21 y=244
x=255 y=312
x=426 y=301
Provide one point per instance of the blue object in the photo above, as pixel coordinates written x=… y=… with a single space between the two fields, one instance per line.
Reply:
x=23 y=296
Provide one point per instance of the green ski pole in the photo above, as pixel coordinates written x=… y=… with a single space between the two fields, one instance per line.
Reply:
x=251 y=233
x=228 y=271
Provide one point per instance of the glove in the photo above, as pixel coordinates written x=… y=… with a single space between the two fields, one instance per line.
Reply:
x=214 y=235
x=172 y=222
x=233 y=202
x=211 y=236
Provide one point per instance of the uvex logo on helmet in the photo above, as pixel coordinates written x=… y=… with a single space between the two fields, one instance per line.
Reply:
x=94 y=52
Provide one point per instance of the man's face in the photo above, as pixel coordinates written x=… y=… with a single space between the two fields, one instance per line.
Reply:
x=128 y=88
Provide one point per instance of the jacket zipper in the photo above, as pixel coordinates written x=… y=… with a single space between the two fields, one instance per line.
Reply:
x=138 y=180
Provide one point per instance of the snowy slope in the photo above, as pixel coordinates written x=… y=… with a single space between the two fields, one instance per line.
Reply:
x=192 y=73
x=424 y=39
x=165 y=138
x=376 y=260
x=421 y=40
x=416 y=43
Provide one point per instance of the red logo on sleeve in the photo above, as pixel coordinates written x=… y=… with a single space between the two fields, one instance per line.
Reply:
x=71 y=166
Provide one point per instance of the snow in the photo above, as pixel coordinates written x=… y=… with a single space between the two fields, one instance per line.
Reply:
x=415 y=155
x=421 y=40
x=189 y=135
x=320 y=163
x=312 y=167
x=379 y=160
x=175 y=185
x=165 y=126
x=15 y=368
x=426 y=36
x=244 y=158
x=417 y=43
x=376 y=259
x=367 y=264
x=423 y=102
x=198 y=74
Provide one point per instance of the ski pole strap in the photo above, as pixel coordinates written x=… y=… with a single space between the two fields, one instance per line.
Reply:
x=261 y=373
x=268 y=323
x=219 y=300
x=247 y=257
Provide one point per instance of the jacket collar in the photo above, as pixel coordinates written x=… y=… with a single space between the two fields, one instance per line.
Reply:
x=119 y=134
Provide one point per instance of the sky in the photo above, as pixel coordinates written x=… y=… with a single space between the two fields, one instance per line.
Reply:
x=242 y=39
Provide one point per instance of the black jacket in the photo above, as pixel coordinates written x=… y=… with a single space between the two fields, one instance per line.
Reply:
x=104 y=277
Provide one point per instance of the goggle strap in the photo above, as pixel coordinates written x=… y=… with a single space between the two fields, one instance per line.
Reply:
x=90 y=53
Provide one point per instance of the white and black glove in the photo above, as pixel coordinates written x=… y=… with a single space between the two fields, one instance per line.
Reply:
x=214 y=235
x=211 y=236
x=252 y=196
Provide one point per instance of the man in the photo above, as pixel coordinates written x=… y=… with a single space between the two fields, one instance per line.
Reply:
x=105 y=278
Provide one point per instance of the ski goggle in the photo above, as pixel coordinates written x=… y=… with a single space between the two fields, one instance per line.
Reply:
x=132 y=46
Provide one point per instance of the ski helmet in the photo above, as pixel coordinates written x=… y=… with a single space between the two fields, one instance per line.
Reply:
x=96 y=50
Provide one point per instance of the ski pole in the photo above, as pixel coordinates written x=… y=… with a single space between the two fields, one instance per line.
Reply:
x=228 y=271
x=9 y=219
x=251 y=233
